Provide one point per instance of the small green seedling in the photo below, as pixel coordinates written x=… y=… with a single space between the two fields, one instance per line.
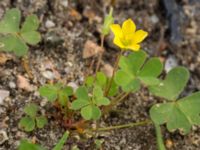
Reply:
x=90 y=105
x=26 y=145
x=32 y=119
x=56 y=92
x=62 y=141
x=15 y=39
x=102 y=82
x=98 y=143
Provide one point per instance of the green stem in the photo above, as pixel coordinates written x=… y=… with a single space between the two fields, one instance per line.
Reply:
x=120 y=98
x=100 y=56
x=159 y=138
x=142 y=123
x=113 y=73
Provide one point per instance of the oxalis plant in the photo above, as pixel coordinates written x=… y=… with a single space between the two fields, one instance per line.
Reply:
x=99 y=94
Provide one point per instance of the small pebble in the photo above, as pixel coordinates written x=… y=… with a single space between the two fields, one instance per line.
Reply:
x=49 y=24
x=154 y=19
x=12 y=85
x=3 y=136
x=170 y=63
x=64 y=3
x=73 y=85
x=48 y=75
x=3 y=95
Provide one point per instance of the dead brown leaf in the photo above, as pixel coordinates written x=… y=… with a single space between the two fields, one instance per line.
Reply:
x=108 y=70
x=91 y=49
x=4 y=58
x=23 y=83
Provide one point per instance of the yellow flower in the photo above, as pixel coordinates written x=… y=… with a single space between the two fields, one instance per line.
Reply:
x=127 y=37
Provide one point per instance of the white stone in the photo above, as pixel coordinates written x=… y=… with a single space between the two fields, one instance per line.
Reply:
x=49 y=24
x=3 y=95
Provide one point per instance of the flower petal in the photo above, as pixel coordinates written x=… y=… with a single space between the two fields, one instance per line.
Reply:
x=128 y=27
x=117 y=42
x=116 y=29
x=139 y=36
x=134 y=47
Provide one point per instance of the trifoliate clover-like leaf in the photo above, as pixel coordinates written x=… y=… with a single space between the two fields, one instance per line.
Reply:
x=172 y=85
x=91 y=112
x=27 y=123
x=41 y=121
x=56 y=92
x=13 y=38
x=10 y=22
x=31 y=110
x=180 y=114
x=134 y=71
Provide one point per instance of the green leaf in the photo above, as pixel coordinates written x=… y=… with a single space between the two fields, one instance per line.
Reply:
x=149 y=80
x=63 y=95
x=101 y=79
x=26 y=145
x=107 y=22
x=123 y=78
x=31 y=24
x=41 y=121
x=17 y=46
x=181 y=114
x=49 y=91
x=27 y=123
x=82 y=93
x=152 y=68
x=31 y=110
x=133 y=62
x=31 y=37
x=62 y=98
x=113 y=89
x=102 y=101
x=132 y=86
x=97 y=91
x=28 y=31
x=98 y=143
x=89 y=81
x=61 y=142
x=68 y=90
x=10 y=21
x=91 y=112
x=77 y=104
x=172 y=85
